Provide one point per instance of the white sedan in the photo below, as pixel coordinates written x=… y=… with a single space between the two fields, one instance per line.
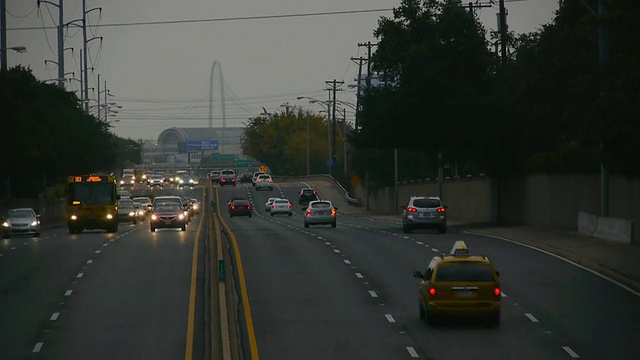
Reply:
x=320 y=212
x=281 y=206
x=267 y=205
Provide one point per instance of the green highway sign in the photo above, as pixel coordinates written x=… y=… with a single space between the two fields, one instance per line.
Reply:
x=244 y=163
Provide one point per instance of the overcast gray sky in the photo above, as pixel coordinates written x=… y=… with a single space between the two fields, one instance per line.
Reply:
x=160 y=74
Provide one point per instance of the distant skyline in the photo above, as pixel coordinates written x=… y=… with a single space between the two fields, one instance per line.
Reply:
x=156 y=55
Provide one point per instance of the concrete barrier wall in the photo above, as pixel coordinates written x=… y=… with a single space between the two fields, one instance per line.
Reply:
x=538 y=200
x=618 y=230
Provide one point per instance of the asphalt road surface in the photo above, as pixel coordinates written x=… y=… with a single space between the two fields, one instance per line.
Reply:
x=93 y=295
x=349 y=293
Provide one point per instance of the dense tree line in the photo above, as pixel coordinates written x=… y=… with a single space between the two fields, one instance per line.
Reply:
x=47 y=137
x=548 y=107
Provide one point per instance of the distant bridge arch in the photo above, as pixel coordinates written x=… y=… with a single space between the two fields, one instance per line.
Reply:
x=214 y=66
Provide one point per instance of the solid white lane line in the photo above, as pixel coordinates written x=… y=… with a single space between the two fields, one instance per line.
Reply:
x=531 y=317
x=89 y=261
x=347 y=261
x=390 y=318
x=54 y=316
x=571 y=353
x=80 y=275
x=412 y=352
x=419 y=243
x=373 y=294
x=68 y=292
x=359 y=276
x=38 y=347
x=336 y=251
x=98 y=251
x=434 y=250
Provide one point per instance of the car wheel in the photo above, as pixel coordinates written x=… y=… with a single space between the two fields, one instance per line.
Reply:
x=153 y=229
x=306 y=225
x=135 y=222
x=184 y=228
x=250 y=215
x=37 y=234
x=494 y=320
x=290 y=214
x=230 y=215
x=333 y=224
x=5 y=236
x=272 y=214
x=431 y=319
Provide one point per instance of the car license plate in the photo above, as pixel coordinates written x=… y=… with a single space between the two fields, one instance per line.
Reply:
x=465 y=293
x=167 y=222
x=427 y=215
x=322 y=213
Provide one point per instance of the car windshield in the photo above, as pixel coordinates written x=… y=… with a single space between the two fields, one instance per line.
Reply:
x=426 y=203
x=126 y=204
x=464 y=271
x=280 y=201
x=20 y=213
x=167 y=207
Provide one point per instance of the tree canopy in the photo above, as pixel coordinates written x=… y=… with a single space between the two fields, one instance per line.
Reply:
x=47 y=136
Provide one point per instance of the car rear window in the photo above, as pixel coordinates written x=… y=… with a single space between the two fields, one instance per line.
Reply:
x=426 y=203
x=464 y=271
x=321 y=205
x=282 y=201
x=241 y=202
x=307 y=191
x=227 y=172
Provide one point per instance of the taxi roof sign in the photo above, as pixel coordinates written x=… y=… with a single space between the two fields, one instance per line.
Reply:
x=459 y=248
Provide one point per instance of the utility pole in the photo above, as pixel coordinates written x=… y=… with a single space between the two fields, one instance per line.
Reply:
x=344 y=138
x=3 y=35
x=603 y=59
x=368 y=45
x=334 y=84
x=359 y=61
x=60 y=7
x=84 y=39
x=503 y=29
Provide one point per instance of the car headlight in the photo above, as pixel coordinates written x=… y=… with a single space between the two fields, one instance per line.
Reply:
x=191 y=181
x=132 y=213
x=154 y=217
x=34 y=223
x=121 y=181
x=109 y=216
x=181 y=216
x=181 y=181
x=73 y=217
x=6 y=224
x=195 y=206
x=133 y=182
x=170 y=179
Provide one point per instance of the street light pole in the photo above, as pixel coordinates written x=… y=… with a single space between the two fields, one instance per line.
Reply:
x=308 y=172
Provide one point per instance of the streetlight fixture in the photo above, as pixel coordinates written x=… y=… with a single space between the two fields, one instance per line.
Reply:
x=3 y=54
x=325 y=104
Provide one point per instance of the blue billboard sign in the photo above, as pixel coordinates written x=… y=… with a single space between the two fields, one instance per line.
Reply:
x=200 y=145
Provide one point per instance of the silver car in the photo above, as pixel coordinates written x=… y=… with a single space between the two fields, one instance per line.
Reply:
x=320 y=212
x=424 y=212
x=267 y=205
x=281 y=206
x=21 y=221
x=264 y=181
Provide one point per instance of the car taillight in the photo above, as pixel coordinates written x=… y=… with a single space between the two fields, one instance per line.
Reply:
x=412 y=209
x=233 y=206
x=432 y=291
x=289 y=206
x=270 y=180
x=497 y=291
x=333 y=212
x=441 y=210
x=273 y=206
x=248 y=206
x=308 y=213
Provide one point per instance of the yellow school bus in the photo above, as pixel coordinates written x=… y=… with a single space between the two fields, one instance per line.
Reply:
x=92 y=203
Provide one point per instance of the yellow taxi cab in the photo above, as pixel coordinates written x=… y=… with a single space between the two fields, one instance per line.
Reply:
x=459 y=285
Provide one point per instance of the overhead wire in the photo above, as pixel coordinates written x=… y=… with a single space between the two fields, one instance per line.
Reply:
x=44 y=29
x=35 y=5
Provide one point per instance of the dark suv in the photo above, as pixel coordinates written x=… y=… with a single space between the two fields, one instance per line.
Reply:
x=306 y=195
x=425 y=213
x=227 y=177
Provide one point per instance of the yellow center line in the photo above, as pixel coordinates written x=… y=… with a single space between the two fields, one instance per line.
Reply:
x=253 y=345
x=188 y=354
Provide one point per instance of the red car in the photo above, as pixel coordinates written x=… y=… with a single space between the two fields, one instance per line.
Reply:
x=168 y=215
x=240 y=208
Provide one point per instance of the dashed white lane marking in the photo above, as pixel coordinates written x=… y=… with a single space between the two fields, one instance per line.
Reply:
x=373 y=294
x=327 y=243
x=80 y=275
x=38 y=347
x=405 y=237
x=412 y=352
x=54 y=316
x=105 y=244
x=419 y=243
x=0 y=254
x=347 y=261
x=571 y=353
x=434 y=250
x=531 y=317
x=98 y=251
x=68 y=293
x=359 y=276
x=13 y=248
x=503 y=294
x=89 y=261
x=390 y=318
x=336 y=250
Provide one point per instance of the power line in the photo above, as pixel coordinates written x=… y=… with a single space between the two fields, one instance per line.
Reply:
x=236 y=18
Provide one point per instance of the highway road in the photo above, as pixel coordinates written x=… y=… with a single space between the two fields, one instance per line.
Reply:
x=129 y=295
x=317 y=293
x=349 y=293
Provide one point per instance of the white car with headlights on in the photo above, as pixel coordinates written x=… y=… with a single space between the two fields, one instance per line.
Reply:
x=21 y=221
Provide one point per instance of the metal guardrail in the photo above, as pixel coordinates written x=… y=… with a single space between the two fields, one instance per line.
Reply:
x=350 y=200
